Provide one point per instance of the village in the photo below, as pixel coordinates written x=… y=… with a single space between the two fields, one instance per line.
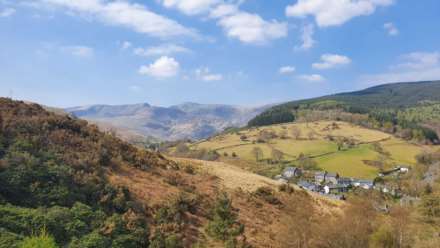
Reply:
x=334 y=186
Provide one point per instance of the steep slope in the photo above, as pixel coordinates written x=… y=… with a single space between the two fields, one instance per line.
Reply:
x=64 y=178
x=189 y=120
x=387 y=96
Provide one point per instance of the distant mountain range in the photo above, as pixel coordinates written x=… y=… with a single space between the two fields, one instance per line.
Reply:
x=185 y=121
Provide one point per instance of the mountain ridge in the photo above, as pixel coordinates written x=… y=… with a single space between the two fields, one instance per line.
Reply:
x=188 y=120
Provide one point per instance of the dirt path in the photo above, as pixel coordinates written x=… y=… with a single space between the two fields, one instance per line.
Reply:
x=231 y=176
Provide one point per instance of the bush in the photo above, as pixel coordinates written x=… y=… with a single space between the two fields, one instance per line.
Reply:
x=41 y=241
x=286 y=188
x=224 y=225
x=267 y=195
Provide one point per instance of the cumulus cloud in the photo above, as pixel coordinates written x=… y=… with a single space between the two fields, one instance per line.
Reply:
x=329 y=61
x=251 y=28
x=122 y=13
x=223 y=10
x=307 y=37
x=312 y=77
x=287 y=70
x=391 y=29
x=334 y=12
x=205 y=74
x=247 y=27
x=190 y=7
x=416 y=66
x=79 y=51
x=7 y=12
x=166 y=49
x=164 y=67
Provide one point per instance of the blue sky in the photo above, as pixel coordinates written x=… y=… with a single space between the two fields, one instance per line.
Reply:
x=248 y=52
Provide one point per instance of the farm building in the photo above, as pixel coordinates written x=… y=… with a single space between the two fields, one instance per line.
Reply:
x=291 y=172
x=326 y=177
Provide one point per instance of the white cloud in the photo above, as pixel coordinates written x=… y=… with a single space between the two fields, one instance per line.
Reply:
x=307 y=37
x=416 y=66
x=79 y=51
x=166 y=49
x=190 y=7
x=391 y=29
x=126 y=45
x=122 y=13
x=205 y=74
x=286 y=70
x=247 y=27
x=334 y=12
x=312 y=78
x=329 y=61
x=251 y=28
x=7 y=12
x=164 y=67
x=223 y=10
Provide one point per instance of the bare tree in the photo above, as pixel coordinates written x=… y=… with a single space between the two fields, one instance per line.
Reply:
x=277 y=155
x=296 y=132
x=257 y=152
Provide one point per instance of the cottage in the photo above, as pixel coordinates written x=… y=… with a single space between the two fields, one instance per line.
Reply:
x=336 y=188
x=326 y=177
x=308 y=186
x=291 y=172
x=345 y=180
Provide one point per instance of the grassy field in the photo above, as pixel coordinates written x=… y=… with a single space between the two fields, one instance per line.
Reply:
x=313 y=140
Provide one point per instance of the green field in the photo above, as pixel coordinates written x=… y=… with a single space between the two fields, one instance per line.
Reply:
x=313 y=140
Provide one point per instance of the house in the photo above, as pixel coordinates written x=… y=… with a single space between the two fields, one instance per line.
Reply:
x=365 y=184
x=345 y=180
x=326 y=177
x=320 y=176
x=291 y=172
x=336 y=188
x=308 y=186
x=403 y=169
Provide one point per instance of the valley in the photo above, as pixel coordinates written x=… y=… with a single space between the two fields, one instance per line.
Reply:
x=318 y=141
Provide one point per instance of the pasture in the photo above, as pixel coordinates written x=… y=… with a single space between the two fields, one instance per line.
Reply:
x=358 y=155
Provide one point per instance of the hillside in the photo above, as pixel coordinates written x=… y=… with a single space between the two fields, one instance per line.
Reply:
x=64 y=182
x=185 y=121
x=388 y=96
x=338 y=147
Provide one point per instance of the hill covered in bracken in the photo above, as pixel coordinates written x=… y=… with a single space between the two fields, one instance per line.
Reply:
x=64 y=183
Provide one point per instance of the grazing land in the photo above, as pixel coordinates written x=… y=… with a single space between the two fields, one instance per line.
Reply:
x=340 y=147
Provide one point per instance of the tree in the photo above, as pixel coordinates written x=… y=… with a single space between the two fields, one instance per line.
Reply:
x=430 y=208
x=224 y=225
x=257 y=152
x=296 y=132
x=41 y=241
x=283 y=134
x=277 y=155
x=400 y=220
x=307 y=163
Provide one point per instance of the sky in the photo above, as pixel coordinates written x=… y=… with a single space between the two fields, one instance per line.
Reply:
x=67 y=53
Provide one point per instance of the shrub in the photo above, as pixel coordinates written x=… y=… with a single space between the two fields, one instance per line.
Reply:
x=267 y=195
x=224 y=225
x=41 y=241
